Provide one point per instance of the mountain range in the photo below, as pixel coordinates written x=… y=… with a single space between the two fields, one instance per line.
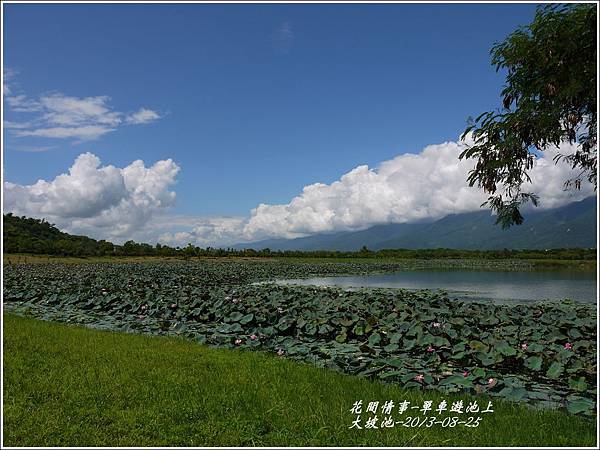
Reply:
x=571 y=226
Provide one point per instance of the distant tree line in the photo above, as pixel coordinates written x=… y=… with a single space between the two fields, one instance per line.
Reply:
x=37 y=236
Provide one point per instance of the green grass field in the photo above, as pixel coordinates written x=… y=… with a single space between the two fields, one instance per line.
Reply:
x=72 y=386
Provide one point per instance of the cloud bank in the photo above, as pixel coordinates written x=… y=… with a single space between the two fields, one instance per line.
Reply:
x=410 y=187
x=133 y=202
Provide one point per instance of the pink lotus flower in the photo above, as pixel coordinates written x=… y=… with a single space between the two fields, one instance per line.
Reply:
x=254 y=337
x=492 y=382
x=238 y=341
x=173 y=305
x=419 y=378
x=436 y=324
x=465 y=374
x=280 y=352
x=568 y=346
x=430 y=349
x=524 y=346
x=236 y=300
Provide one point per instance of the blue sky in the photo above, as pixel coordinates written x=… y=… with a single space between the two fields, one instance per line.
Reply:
x=252 y=102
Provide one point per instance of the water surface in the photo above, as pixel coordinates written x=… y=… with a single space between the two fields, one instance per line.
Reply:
x=477 y=285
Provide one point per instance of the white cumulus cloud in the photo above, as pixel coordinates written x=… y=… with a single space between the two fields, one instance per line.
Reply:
x=101 y=201
x=408 y=188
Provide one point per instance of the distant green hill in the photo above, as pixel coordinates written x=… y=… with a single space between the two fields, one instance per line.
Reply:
x=570 y=226
x=27 y=235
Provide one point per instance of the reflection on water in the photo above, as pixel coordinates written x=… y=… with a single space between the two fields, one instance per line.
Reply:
x=491 y=285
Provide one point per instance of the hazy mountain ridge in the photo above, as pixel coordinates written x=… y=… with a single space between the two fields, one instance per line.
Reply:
x=570 y=226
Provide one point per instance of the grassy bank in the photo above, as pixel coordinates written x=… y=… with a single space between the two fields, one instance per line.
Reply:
x=66 y=385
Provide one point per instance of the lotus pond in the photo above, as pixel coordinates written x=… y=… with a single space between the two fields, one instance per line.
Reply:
x=541 y=353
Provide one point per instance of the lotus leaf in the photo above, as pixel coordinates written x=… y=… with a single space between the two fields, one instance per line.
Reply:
x=554 y=370
x=534 y=362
